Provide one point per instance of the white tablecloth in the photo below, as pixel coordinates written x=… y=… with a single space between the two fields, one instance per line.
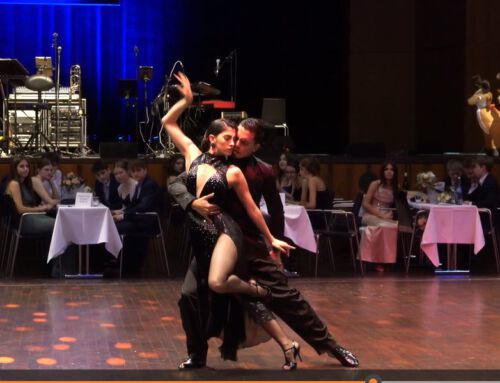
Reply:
x=297 y=226
x=84 y=226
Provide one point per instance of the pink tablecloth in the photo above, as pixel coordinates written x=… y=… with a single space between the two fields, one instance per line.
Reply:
x=451 y=224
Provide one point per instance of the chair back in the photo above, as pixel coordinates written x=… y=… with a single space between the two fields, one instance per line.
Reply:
x=403 y=210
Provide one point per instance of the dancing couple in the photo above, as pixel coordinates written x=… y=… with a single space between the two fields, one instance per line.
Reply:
x=219 y=204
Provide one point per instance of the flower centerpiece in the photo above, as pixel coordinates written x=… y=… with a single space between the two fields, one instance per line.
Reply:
x=71 y=184
x=446 y=196
x=72 y=181
x=429 y=185
x=426 y=180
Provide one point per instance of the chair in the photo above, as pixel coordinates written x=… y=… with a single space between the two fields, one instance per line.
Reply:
x=407 y=226
x=16 y=233
x=156 y=234
x=334 y=223
x=5 y=219
x=489 y=229
x=175 y=212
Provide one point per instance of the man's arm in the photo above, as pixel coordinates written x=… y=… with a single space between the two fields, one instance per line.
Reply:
x=186 y=200
x=273 y=202
x=178 y=190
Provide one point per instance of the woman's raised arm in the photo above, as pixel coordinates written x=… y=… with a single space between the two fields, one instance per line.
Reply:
x=187 y=148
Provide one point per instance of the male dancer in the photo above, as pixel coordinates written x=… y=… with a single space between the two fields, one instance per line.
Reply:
x=286 y=302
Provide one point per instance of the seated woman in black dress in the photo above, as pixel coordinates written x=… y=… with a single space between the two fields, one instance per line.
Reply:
x=20 y=189
x=315 y=195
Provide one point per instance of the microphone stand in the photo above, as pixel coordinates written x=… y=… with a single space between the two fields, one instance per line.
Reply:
x=232 y=58
x=58 y=77
x=57 y=61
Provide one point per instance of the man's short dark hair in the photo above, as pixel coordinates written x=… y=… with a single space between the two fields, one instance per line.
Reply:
x=485 y=161
x=98 y=166
x=138 y=164
x=256 y=126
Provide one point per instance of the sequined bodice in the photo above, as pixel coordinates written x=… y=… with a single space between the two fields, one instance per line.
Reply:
x=216 y=183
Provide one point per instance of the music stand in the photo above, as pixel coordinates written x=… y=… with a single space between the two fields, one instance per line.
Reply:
x=13 y=72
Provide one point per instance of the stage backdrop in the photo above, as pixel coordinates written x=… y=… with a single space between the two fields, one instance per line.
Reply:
x=101 y=39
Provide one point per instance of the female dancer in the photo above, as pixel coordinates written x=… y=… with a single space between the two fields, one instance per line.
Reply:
x=216 y=243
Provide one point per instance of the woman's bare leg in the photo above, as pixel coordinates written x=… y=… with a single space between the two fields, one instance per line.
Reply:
x=220 y=277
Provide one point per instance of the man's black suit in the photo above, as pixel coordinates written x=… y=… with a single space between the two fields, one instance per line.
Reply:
x=146 y=198
x=113 y=199
x=487 y=195
x=287 y=302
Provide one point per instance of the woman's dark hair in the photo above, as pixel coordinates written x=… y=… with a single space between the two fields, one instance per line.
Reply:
x=14 y=176
x=44 y=161
x=311 y=164
x=171 y=164
x=215 y=128
x=122 y=164
x=394 y=179
x=53 y=157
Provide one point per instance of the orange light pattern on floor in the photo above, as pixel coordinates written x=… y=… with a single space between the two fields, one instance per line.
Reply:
x=39 y=320
x=167 y=318
x=61 y=347
x=46 y=361
x=35 y=348
x=72 y=317
x=3 y=320
x=6 y=360
x=148 y=355
x=107 y=325
x=123 y=345
x=67 y=339
x=39 y=314
x=11 y=306
x=72 y=304
x=23 y=328
x=116 y=362
x=117 y=306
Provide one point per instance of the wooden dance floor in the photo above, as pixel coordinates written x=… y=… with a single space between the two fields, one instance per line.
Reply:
x=390 y=322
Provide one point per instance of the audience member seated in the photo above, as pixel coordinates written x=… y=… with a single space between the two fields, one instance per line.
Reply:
x=470 y=193
x=43 y=183
x=176 y=165
x=146 y=198
x=314 y=192
x=21 y=190
x=126 y=187
x=292 y=185
x=488 y=194
x=280 y=174
x=379 y=239
x=55 y=159
x=106 y=186
x=456 y=177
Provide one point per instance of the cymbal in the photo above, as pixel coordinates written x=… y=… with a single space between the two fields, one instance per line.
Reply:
x=38 y=82
x=204 y=89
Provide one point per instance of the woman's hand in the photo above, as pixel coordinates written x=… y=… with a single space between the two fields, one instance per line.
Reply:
x=184 y=87
x=281 y=246
x=386 y=214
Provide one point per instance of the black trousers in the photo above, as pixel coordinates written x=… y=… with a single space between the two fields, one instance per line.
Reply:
x=287 y=303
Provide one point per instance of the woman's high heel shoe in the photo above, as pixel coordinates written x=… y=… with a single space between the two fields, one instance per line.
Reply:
x=291 y=354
